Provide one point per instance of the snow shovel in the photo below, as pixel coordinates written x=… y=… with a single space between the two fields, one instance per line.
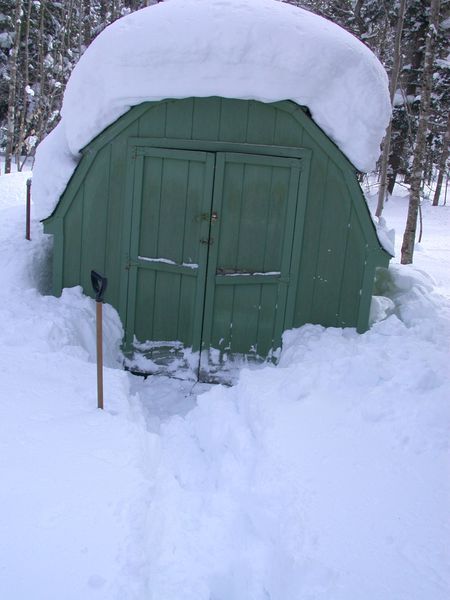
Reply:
x=99 y=284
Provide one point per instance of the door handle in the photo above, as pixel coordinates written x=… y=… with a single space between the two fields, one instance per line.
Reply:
x=206 y=216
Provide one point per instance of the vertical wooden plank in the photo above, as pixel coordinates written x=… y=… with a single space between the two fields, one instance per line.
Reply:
x=56 y=227
x=245 y=319
x=334 y=231
x=266 y=323
x=152 y=123
x=288 y=131
x=166 y=304
x=206 y=119
x=95 y=217
x=261 y=123
x=174 y=184
x=233 y=120
x=73 y=225
x=222 y=329
x=150 y=209
x=179 y=119
x=353 y=274
x=299 y=227
x=131 y=246
x=312 y=233
x=118 y=198
x=145 y=284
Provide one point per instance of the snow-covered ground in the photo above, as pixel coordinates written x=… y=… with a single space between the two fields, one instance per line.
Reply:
x=323 y=478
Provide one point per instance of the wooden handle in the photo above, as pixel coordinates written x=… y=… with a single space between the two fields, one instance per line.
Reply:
x=99 y=315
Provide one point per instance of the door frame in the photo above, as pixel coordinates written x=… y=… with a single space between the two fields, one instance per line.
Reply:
x=139 y=147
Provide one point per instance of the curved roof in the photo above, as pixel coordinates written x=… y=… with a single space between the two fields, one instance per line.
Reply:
x=249 y=49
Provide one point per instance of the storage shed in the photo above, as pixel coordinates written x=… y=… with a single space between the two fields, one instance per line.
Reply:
x=219 y=221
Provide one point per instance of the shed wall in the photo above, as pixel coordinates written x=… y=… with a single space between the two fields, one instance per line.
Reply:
x=339 y=248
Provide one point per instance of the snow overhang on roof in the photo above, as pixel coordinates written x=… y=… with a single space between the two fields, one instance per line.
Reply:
x=249 y=49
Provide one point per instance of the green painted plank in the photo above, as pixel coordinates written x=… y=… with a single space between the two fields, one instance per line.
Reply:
x=316 y=205
x=265 y=340
x=166 y=307
x=117 y=201
x=179 y=118
x=95 y=218
x=244 y=319
x=153 y=122
x=330 y=263
x=287 y=131
x=206 y=119
x=215 y=146
x=233 y=120
x=353 y=274
x=261 y=123
x=144 y=306
x=250 y=280
x=72 y=228
x=299 y=228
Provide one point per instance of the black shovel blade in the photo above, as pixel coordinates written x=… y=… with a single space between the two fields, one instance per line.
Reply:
x=99 y=284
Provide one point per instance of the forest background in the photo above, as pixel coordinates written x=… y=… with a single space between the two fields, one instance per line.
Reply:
x=42 y=40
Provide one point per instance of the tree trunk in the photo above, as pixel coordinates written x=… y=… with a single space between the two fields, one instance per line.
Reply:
x=25 y=84
x=392 y=89
x=422 y=130
x=11 y=118
x=442 y=163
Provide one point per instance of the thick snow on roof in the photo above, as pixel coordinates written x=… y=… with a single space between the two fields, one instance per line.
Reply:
x=250 y=49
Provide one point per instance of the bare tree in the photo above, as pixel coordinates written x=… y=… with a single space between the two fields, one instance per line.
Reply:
x=397 y=59
x=13 y=64
x=442 y=163
x=422 y=130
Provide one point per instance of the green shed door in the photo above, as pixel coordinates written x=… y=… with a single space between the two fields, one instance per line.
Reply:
x=167 y=263
x=210 y=255
x=255 y=200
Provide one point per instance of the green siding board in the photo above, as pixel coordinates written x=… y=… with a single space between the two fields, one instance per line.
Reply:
x=333 y=235
x=206 y=119
x=179 y=119
x=153 y=122
x=304 y=311
x=352 y=277
x=145 y=304
x=95 y=218
x=233 y=121
x=261 y=123
x=72 y=226
x=114 y=262
x=287 y=130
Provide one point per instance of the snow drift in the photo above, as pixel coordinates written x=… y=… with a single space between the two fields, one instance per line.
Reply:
x=246 y=49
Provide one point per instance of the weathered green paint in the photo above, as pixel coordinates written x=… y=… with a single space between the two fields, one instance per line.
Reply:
x=287 y=202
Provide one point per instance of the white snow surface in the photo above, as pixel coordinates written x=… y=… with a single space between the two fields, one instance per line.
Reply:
x=249 y=49
x=323 y=478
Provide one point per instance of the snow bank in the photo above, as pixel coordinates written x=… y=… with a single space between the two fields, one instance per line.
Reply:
x=312 y=479
x=249 y=49
x=73 y=478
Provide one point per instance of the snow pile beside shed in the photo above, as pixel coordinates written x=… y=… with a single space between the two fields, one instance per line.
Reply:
x=244 y=49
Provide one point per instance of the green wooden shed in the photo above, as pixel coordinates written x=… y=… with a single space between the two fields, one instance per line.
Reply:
x=219 y=223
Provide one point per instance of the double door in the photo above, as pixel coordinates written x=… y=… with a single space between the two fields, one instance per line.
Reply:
x=209 y=279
